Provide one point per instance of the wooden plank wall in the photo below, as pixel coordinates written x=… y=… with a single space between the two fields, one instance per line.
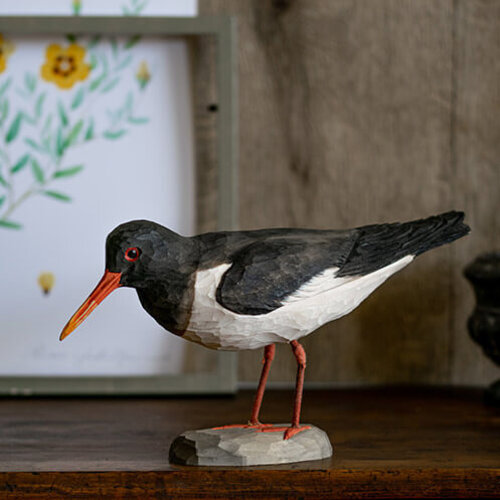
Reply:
x=363 y=111
x=476 y=143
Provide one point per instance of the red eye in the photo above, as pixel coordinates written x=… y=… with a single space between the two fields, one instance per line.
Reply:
x=132 y=254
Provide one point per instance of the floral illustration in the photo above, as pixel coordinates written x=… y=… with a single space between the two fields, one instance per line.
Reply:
x=65 y=66
x=6 y=49
x=69 y=105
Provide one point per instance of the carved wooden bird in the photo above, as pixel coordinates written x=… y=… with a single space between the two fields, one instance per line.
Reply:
x=251 y=289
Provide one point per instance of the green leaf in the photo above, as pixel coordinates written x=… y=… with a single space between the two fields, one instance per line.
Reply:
x=115 y=134
x=39 y=104
x=95 y=83
x=73 y=134
x=3 y=182
x=21 y=163
x=46 y=125
x=52 y=147
x=68 y=172
x=59 y=142
x=78 y=99
x=30 y=82
x=14 y=128
x=71 y=38
x=5 y=85
x=111 y=85
x=37 y=171
x=124 y=63
x=2 y=199
x=4 y=111
x=89 y=134
x=132 y=41
x=114 y=47
x=46 y=143
x=30 y=142
x=93 y=61
x=139 y=120
x=10 y=224
x=62 y=114
x=57 y=195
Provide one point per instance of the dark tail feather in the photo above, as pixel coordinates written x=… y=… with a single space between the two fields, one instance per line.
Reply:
x=436 y=231
x=381 y=244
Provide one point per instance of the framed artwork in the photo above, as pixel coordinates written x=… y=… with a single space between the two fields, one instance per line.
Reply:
x=97 y=127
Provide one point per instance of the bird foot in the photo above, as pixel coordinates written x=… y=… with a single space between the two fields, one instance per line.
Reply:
x=251 y=425
x=289 y=432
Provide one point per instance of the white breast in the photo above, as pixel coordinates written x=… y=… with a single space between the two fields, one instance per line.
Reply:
x=320 y=300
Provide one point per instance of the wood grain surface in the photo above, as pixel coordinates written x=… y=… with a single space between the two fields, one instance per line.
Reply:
x=355 y=112
x=388 y=443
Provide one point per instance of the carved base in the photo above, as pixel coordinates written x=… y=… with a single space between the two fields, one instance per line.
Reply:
x=236 y=446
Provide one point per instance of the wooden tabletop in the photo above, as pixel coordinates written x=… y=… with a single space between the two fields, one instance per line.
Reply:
x=388 y=443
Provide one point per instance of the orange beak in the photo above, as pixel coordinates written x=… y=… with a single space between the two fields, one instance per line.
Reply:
x=109 y=282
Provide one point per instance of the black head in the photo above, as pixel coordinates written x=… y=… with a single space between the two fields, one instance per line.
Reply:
x=140 y=250
x=138 y=253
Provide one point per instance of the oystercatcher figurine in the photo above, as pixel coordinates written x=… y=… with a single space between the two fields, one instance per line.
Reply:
x=251 y=289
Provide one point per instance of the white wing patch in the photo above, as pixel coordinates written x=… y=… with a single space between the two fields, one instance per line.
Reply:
x=322 y=282
x=322 y=299
x=326 y=281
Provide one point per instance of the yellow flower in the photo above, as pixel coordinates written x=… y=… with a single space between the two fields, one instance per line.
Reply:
x=143 y=75
x=65 y=66
x=6 y=49
x=46 y=281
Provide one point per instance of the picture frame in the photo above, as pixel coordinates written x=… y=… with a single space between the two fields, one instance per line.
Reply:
x=222 y=31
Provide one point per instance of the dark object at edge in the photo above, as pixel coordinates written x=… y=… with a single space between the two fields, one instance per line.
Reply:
x=484 y=324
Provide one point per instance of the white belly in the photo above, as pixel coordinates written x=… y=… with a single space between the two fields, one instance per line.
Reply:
x=322 y=299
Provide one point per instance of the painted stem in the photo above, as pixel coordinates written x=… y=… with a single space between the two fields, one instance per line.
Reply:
x=19 y=201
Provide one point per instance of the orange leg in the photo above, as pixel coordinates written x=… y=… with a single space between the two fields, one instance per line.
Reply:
x=269 y=351
x=300 y=356
x=295 y=428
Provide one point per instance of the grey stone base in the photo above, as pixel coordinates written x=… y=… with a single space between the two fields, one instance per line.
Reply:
x=240 y=447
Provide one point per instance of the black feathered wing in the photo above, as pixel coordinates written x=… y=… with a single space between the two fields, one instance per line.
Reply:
x=266 y=272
